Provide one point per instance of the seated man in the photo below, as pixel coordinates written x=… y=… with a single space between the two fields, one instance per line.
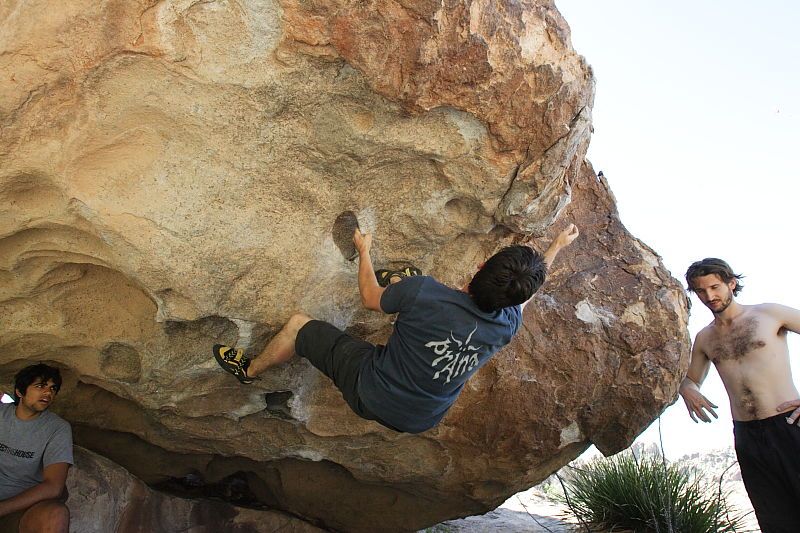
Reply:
x=442 y=336
x=35 y=454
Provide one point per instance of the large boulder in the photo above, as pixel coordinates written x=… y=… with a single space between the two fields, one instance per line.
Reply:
x=171 y=175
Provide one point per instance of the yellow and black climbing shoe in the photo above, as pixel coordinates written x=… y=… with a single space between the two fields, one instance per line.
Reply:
x=233 y=361
x=408 y=271
x=385 y=276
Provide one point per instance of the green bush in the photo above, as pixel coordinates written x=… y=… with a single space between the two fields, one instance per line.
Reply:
x=646 y=494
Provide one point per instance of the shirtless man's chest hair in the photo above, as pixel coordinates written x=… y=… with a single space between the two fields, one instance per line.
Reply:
x=751 y=354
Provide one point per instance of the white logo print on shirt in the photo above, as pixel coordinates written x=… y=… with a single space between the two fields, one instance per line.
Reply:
x=461 y=357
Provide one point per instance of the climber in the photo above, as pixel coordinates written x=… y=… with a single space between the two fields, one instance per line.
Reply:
x=441 y=336
x=747 y=344
x=35 y=455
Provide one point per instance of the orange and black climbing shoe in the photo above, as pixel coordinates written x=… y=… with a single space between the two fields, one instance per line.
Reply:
x=233 y=361
x=385 y=276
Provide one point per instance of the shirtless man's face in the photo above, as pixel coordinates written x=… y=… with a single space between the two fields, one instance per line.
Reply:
x=713 y=292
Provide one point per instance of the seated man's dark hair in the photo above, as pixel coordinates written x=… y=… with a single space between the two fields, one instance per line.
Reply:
x=29 y=374
x=712 y=265
x=509 y=277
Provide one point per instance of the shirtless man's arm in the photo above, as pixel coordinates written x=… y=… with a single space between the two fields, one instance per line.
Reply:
x=789 y=319
x=696 y=403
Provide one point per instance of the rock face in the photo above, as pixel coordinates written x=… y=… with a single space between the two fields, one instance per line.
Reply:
x=104 y=498
x=171 y=173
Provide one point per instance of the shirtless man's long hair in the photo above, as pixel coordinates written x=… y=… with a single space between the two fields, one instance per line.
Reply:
x=712 y=265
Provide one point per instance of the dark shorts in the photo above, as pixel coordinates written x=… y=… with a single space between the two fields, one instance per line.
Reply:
x=769 y=457
x=339 y=356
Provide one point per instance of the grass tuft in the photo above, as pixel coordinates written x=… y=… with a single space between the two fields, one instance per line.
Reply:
x=647 y=494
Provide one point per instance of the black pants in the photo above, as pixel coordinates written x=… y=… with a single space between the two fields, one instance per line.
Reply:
x=769 y=457
x=339 y=356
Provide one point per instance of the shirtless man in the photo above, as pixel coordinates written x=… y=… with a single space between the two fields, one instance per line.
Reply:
x=747 y=344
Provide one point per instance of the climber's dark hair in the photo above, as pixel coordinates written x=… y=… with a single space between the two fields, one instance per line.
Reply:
x=509 y=277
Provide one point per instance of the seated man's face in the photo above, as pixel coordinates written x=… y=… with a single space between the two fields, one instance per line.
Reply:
x=39 y=395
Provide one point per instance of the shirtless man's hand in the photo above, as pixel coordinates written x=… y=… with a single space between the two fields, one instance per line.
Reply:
x=785 y=406
x=696 y=403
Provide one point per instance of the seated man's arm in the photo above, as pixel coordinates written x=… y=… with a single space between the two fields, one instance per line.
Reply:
x=367 y=282
x=54 y=478
x=561 y=241
x=696 y=403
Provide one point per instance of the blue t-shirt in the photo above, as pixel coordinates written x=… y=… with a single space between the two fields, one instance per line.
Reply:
x=440 y=339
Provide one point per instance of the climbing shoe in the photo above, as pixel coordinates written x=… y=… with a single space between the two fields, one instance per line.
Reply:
x=408 y=271
x=385 y=276
x=233 y=361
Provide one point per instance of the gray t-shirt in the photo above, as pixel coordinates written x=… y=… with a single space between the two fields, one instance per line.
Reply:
x=27 y=446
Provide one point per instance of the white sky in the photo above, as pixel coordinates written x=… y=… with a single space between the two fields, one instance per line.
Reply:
x=696 y=128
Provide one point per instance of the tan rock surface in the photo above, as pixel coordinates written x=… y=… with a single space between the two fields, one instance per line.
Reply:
x=171 y=172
